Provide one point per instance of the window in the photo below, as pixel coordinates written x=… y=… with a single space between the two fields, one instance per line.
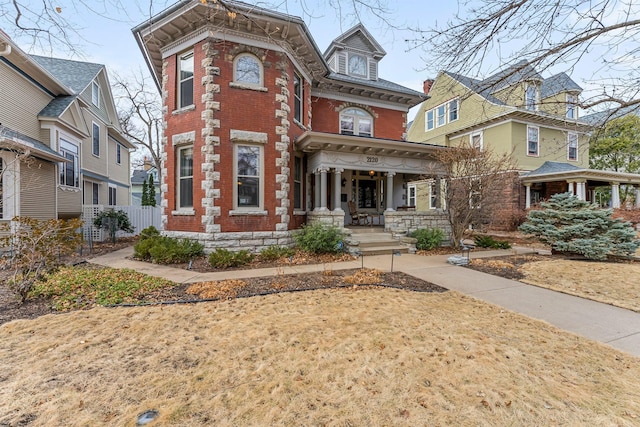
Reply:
x=433 y=195
x=453 y=110
x=476 y=140
x=441 y=117
x=70 y=170
x=357 y=65
x=112 y=196
x=185 y=80
x=354 y=121
x=118 y=153
x=429 y=121
x=411 y=195
x=248 y=69
x=185 y=177
x=572 y=146
x=297 y=95
x=297 y=183
x=96 y=139
x=95 y=193
x=95 y=94
x=533 y=141
x=531 y=97
x=572 y=107
x=248 y=171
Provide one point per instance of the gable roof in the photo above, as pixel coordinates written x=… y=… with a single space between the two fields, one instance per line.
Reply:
x=553 y=167
x=57 y=106
x=358 y=38
x=477 y=86
x=518 y=72
x=74 y=74
x=560 y=82
x=37 y=148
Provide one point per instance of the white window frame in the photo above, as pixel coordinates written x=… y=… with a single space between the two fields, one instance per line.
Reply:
x=239 y=79
x=433 y=195
x=179 y=177
x=95 y=139
x=237 y=208
x=95 y=94
x=531 y=103
x=572 y=106
x=480 y=136
x=430 y=120
x=450 y=110
x=412 y=198
x=356 y=115
x=441 y=115
x=572 y=139
x=356 y=56
x=182 y=84
x=537 y=152
x=298 y=98
x=64 y=165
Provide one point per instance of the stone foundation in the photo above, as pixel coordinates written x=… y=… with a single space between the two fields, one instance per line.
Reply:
x=327 y=217
x=251 y=241
x=399 y=222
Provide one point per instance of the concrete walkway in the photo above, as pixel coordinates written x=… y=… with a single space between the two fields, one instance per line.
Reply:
x=614 y=326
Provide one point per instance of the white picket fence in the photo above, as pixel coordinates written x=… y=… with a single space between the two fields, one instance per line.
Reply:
x=140 y=217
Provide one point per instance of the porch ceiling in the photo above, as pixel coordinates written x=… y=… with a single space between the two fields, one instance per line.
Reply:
x=310 y=142
x=584 y=175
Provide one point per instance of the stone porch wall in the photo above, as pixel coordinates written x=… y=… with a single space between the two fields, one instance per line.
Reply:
x=401 y=221
x=335 y=218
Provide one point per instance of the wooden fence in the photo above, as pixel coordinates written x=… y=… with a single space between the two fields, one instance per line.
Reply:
x=140 y=217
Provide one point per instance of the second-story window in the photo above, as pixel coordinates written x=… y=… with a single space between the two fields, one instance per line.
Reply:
x=69 y=170
x=572 y=146
x=572 y=106
x=354 y=121
x=441 y=116
x=297 y=95
x=96 y=139
x=185 y=80
x=453 y=110
x=531 y=97
x=118 y=153
x=247 y=69
x=429 y=120
x=533 y=141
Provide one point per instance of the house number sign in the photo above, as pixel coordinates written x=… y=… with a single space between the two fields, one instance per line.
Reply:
x=372 y=159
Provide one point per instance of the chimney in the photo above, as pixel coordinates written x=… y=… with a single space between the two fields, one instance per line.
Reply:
x=426 y=85
x=146 y=165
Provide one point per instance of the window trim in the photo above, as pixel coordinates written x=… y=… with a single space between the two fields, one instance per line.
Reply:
x=356 y=121
x=431 y=113
x=572 y=106
x=569 y=143
x=248 y=209
x=298 y=98
x=95 y=94
x=95 y=141
x=180 y=82
x=179 y=150
x=479 y=134
x=433 y=195
x=95 y=193
x=113 y=197
x=444 y=115
x=411 y=187
x=449 y=110
x=118 y=153
x=537 y=152
x=533 y=106
x=237 y=58
x=63 y=165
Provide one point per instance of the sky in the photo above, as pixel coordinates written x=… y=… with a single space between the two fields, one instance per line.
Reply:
x=105 y=34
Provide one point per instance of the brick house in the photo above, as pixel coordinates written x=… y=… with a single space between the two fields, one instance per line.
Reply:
x=263 y=132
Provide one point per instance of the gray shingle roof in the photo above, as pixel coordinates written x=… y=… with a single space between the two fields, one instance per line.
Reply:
x=380 y=84
x=20 y=138
x=478 y=86
x=601 y=117
x=561 y=82
x=57 y=106
x=520 y=71
x=552 y=167
x=74 y=74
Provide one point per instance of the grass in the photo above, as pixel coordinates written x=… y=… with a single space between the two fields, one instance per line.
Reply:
x=73 y=287
x=330 y=357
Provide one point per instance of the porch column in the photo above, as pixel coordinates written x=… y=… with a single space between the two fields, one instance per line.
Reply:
x=337 y=189
x=527 y=202
x=581 y=190
x=571 y=188
x=323 y=189
x=615 y=195
x=316 y=192
x=388 y=197
x=637 y=197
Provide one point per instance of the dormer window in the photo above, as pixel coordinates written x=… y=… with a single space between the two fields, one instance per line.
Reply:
x=354 y=121
x=531 y=97
x=572 y=106
x=357 y=65
x=95 y=94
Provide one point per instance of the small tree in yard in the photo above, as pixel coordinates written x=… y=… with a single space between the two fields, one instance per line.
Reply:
x=34 y=248
x=151 y=192
x=112 y=221
x=571 y=225
x=145 y=194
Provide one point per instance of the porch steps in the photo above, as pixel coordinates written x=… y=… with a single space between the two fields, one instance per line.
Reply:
x=375 y=241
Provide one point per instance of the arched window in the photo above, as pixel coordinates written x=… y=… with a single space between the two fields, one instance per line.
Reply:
x=354 y=121
x=247 y=69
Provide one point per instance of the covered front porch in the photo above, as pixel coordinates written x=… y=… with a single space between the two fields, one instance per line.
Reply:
x=349 y=175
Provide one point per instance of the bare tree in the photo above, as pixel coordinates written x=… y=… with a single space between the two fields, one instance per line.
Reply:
x=140 y=113
x=478 y=183
x=546 y=34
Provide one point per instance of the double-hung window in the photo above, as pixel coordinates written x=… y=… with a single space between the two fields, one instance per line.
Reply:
x=453 y=110
x=572 y=106
x=441 y=117
x=411 y=194
x=476 y=140
x=429 y=120
x=248 y=176
x=95 y=139
x=185 y=177
x=185 y=80
x=533 y=141
x=297 y=97
x=572 y=146
x=69 y=170
x=95 y=193
x=531 y=97
x=433 y=195
x=354 y=121
x=297 y=183
x=112 y=196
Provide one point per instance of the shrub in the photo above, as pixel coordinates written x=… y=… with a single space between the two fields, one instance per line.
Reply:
x=149 y=232
x=275 y=252
x=571 y=225
x=223 y=258
x=167 y=250
x=319 y=238
x=35 y=248
x=113 y=221
x=489 y=242
x=428 y=238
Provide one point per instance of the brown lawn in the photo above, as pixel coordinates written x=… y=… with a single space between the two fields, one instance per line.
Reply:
x=335 y=357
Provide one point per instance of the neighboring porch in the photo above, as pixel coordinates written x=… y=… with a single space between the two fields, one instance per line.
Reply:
x=553 y=177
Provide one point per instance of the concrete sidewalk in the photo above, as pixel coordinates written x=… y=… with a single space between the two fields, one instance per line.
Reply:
x=611 y=325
